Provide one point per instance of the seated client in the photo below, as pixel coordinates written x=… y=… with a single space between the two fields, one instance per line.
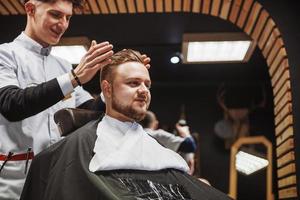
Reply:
x=113 y=157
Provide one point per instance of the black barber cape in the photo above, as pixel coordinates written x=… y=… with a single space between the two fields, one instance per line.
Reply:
x=61 y=172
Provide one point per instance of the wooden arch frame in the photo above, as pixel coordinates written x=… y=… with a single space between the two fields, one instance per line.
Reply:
x=254 y=20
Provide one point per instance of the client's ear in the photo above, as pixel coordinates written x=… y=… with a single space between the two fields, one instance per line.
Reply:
x=30 y=8
x=106 y=88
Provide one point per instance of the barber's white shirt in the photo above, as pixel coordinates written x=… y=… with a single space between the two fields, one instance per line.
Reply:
x=125 y=145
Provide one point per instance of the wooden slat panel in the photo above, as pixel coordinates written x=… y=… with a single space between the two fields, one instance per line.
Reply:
x=131 y=6
x=244 y=13
x=278 y=59
x=287 y=109
x=3 y=10
x=103 y=7
x=285 y=147
x=19 y=6
x=112 y=6
x=187 y=5
x=215 y=6
x=168 y=5
x=140 y=6
x=121 y=6
x=206 y=6
x=284 y=65
x=288 y=121
x=287 y=98
x=266 y=33
x=94 y=6
x=177 y=5
x=287 y=193
x=159 y=6
x=289 y=169
x=270 y=42
x=9 y=7
x=150 y=5
x=225 y=8
x=235 y=10
x=290 y=180
x=287 y=158
x=260 y=24
x=86 y=8
x=285 y=89
x=278 y=44
x=283 y=78
x=196 y=6
x=289 y=132
x=252 y=17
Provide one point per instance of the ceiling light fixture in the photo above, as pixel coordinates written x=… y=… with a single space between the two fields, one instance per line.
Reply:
x=71 y=49
x=216 y=47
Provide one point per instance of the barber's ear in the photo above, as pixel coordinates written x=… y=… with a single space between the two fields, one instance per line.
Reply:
x=106 y=88
x=30 y=8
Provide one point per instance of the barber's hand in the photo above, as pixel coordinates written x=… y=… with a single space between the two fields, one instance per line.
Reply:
x=97 y=56
x=146 y=60
x=183 y=131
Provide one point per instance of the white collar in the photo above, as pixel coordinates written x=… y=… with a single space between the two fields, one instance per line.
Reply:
x=125 y=145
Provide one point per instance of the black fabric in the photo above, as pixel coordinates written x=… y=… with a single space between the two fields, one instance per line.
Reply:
x=188 y=145
x=61 y=173
x=17 y=104
x=93 y=104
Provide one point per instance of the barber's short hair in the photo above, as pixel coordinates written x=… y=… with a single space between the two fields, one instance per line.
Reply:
x=126 y=55
x=76 y=3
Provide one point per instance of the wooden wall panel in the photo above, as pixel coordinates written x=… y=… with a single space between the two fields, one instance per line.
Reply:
x=121 y=6
x=270 y=42
x=177 y=5
x=287 y=158
x=283 y=66
x=103 y=7
x=215 y=7
x=283 y=79
x=9 y=7
x=131 y=6
x=3 y=10
x=287 y=109
x=287 y=193
x=112 y=7
x=282 y=92
x=244 y=13
x=187 y=5
x=289 y=169
x=266 y=33
x=277 y=45
x=196 y=6
x=290 y=180
x=19 y=6
x=168 y=5
x=285 y=99
x=235 y=10
x=252 y=17
x=285 y=135
x=94 y=6
x=150 y=5
x=140 y=6
x=287 y=121
x=206 y=7
x=285 y=147
x=279 y=58
x=225 y=9
x=159 y=6
x=260 y=25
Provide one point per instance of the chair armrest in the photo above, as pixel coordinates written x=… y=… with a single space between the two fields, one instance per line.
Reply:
x=70 y=119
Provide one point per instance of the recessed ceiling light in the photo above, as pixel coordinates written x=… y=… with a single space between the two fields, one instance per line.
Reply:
x=175 y=59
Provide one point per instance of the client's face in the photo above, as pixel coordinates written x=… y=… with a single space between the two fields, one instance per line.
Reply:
x=130 y=90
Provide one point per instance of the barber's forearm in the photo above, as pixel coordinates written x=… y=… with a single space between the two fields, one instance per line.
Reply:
x=17 y=104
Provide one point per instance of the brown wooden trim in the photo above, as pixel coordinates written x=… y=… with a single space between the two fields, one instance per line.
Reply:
x=288 y=193
x=3 y=10
x=159 y=6
x=266 y=33
x=103 y=7
x=252 y=17
x=244 y=13
x=121 y=6
x=235 y=10
x=285 y=147
x=187 y=5
x=11 y=9
x=289 y=132
x=283 y=66
x=94 y=6
x=287 y=181
x=177 y=5
x=270 y=42
x=19 y=6
x=275 y=49
x=140 y=6
x=289 y=169
x=112 y=7
x=206 y=7
x=287 y=98
x=283 y=79
x=286 y=122
x=131 y=6
x=286 y=88
x=215 y=7
x=278 y=59
x=260 y=24
x=150 y=6
x=225 y=9
x=287 y=109
x=287 y=158
x=168 y=5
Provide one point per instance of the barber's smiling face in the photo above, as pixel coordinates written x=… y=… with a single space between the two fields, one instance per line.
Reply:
x=131 y=90
x=51 y=20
